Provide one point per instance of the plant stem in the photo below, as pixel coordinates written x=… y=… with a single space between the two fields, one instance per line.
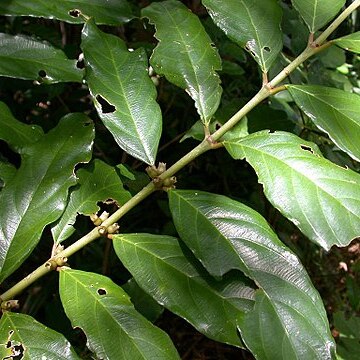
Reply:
x=266 y=90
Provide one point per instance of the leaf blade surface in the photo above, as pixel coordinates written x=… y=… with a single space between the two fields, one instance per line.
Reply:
x=333 y=111
x=104 y=312
x=160 y=267
x=253 y=25
x=37 y=194
x=185 y=55
x=20 y=332
x=96 y=182
x=114 y=12
x=24 y=57
x=317 y=13
x=320 y=198
x=123 y=93
x=226 y=235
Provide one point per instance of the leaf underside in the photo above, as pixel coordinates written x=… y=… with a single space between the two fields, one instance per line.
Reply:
x=350 y=42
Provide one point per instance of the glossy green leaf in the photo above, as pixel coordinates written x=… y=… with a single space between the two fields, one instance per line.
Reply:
x=160 y=266
x=317 y=13
x=24 y=57
x=333 y=111
x=142 y=301
x=16 y=133
x=114 y=329
x=124 y=95
x=97 y=182
x=350 y=42
x=22 y=337
x=319 y=197
x=37 y=194
x=185 y=54
x=254 y=25
x=7 y=172
x=112 y=12
x=224 y=235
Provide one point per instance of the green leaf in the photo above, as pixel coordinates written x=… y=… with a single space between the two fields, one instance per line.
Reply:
x=333 y=111
x=317 y=13
x=142 y=301
x=97 y=182
x=22 y=335
x=185 y=54
x=160 y=266
x=123 y=92
x=7 y=172
x=16 y=133
x=113 y=12
x=319 y=197
x=114 y=329
x=37 y=194
x=350 y=42
x=253 y=25
x=24 y=57
x=224 y=235
x=348 y=346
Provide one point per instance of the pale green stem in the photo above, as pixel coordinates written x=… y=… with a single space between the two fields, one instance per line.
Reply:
x=204 y=146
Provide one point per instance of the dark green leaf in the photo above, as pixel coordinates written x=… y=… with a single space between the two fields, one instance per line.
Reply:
x=161 y=268
x=142 y=301
x=350 y=42
x=348 y=346
x=334 y=111
x=320 y=198
x=114 y=329
x=24 y=57
x=97 y=182
x=112 y=12
x=317 y=13
x=185 y=54
x=225 y=235
x=123 y=92
x=7 y=172
x=254 y=25
x=16 y=133
x=22 y=335
x=37 y=194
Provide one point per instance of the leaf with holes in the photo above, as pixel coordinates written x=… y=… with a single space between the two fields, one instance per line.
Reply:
x=350 y=42
x=22 y=337
x=7 y=172
x=185 y=55
x=24 y=57
x=104 y=312
x=96 y=182
x=16 y=133
x=123 y=92
x=319 y=197
x=317 y=13
x=161 y=266
x=224 y=235
x=112 y=12
x=254 y=25
x=333 y=111
x=38 y=192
